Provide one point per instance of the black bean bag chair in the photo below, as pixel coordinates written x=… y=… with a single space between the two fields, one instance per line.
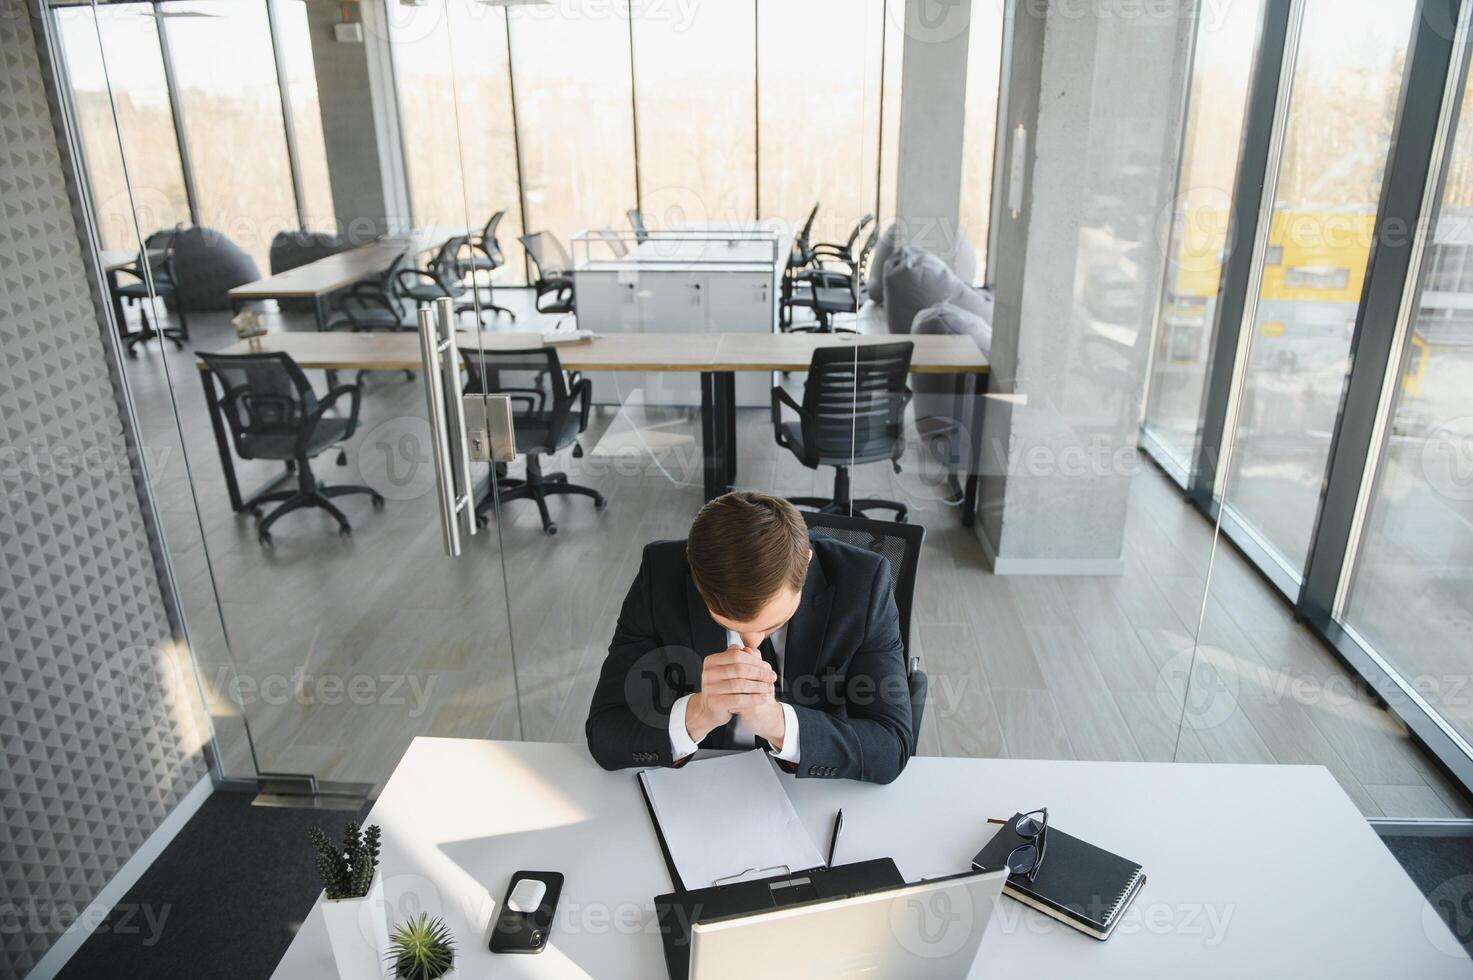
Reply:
x=207 y=265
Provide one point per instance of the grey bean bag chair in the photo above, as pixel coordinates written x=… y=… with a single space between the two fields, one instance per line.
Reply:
x=936 y=404
x=207 y=265
x=885 y=246
x=916 y=279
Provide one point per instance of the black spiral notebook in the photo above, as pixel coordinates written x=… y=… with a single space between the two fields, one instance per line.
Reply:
x=1081 y=885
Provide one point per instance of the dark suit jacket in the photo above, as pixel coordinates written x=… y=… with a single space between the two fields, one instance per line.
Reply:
x=843 y=667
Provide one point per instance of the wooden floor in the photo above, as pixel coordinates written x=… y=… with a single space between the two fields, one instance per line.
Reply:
x=346 y=648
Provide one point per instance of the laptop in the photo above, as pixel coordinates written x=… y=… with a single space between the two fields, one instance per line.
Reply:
x=858 y=920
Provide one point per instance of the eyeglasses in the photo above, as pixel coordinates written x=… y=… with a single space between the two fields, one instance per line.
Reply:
x=1027 y=857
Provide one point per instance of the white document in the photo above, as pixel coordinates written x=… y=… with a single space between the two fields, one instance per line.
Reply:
x=728 y=819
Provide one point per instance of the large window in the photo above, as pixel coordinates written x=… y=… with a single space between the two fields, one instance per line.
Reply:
x=1209 y=169
x=575 y=119
x=818 y=77
x=695 y=98
x=1343 y=109
x=130 y=43
x=295 y=51
x=226 y=73
x=462 y=126
x=1412 y=595
x=979 y=135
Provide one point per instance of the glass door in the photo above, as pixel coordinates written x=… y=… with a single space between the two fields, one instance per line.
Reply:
x=246 y=162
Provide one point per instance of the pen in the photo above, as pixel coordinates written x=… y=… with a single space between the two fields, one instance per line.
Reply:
x=834 y=839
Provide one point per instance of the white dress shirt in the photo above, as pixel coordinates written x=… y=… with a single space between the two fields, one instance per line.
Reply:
x=682 y=745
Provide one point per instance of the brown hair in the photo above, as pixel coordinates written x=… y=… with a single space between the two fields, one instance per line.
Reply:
x=743 y=548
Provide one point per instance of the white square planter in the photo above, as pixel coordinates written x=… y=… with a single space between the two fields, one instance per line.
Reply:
x=358 y=931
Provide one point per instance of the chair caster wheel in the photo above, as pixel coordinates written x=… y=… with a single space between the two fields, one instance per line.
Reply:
x=378 y=501
x=550 y=530
x=600 y=503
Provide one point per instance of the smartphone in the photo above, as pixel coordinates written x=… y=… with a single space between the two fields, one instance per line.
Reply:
x=527 y=931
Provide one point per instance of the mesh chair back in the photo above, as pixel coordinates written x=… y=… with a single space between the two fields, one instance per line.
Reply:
x=541 y=397
x=636 y=221
x=158 y=255
x=862 y=260
x=611 y=238
x=805 y=234
x=854 y=403
x=488 y=236
x=859 y=228
x=547 y=254
x=898 y=544
x=446 y=263
x=266 y=395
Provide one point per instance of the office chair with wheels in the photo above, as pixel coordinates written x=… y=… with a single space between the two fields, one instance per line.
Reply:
x=443 y=279
x=550 y=409
x=482 y=253
x=554 y=271
x=801 y=257
x=158 y=255
x=372 y=304
x=636 y=221
x=900 y=545
x=853 y=412
x=828 y=290
x=825 y=251
x=273 y=413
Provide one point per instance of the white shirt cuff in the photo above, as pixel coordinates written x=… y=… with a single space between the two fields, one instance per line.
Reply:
x=681 y=744
x=790 y=734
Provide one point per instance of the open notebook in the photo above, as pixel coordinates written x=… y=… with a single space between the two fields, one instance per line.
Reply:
x=726 y=819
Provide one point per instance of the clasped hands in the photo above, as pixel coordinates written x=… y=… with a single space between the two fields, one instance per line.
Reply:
x=736 y=681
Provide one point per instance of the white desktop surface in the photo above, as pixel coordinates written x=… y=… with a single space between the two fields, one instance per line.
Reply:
x=1298 y=882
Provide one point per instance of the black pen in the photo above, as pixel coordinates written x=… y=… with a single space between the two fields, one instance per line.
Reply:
x=838 y=829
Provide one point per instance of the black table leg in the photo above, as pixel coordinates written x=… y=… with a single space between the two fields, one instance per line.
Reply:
x=974 y=449
x=718 y=431
x=222 y=444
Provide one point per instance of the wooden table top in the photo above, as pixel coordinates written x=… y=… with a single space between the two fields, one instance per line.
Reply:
x=674 y=352
x=333 y=272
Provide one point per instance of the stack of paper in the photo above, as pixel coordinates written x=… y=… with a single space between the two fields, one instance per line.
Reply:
x=728 y=819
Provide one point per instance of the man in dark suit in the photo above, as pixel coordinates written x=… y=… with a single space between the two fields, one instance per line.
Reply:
x=751 y=633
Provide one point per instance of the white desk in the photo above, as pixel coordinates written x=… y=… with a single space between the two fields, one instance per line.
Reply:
x=1254 y=871
x=689 y=280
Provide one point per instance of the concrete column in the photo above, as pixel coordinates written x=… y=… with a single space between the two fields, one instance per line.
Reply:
x=933 y=91
x=1098 y=90
x=360 y=120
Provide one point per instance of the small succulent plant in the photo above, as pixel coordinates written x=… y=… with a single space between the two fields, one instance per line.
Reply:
x=422 y=949
x=346 y=869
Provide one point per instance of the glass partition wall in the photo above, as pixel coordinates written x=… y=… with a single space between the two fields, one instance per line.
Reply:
x=321 y=655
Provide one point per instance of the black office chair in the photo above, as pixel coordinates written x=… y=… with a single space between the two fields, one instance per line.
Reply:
x=158 y=254
x=443 y=278
x=900 y=545
x=853 y=412
x=838 y=287
x=554 y=272
x=636 y=221
x=549 y=411
x=801 y=257
x=371 y=304
x=845 y=253
x=273 y=413
x=482 y=253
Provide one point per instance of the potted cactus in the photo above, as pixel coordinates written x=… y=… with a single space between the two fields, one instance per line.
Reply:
x=353 y=909
x=422 y=949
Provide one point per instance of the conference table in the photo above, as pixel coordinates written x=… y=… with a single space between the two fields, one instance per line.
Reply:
x=716 y=357
x=319 y=279
x=1251 y=870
